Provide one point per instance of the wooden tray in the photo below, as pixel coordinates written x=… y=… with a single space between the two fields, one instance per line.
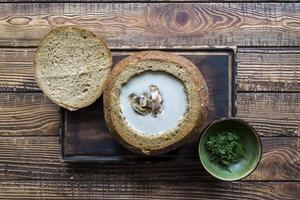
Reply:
x=84 y=135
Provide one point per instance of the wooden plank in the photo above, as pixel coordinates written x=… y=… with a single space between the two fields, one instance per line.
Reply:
x=16 y=69
x=126 y=25
x=271 y=114
x=139 y=1
x=27 y=114
x=148 y=190
x=17 y=73
x=38 y=158
x=259 y=69
x=268 y=69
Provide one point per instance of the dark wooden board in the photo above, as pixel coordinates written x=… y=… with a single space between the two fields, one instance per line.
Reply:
x=157 y=25
x=85 y=136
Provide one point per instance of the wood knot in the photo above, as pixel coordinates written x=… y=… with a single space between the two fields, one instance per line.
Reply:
x=19 y=21
x=175 y=19
x=60 y=20
x=179 y=19
x=182 y=18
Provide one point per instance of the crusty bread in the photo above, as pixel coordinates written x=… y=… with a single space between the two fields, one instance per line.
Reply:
x=71 y=67
x=156 y=61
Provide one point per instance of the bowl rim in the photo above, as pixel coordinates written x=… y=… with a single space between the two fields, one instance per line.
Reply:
x=253 y=131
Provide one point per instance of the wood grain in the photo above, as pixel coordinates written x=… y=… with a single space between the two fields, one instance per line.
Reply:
x=30 y=167
x=268 y=69
x=271 y=114
x=126 y=25
x=16 y=69
x=148 y=190
x=139 y=1
x=38 y=158
x=27 y=114
x=31 y=114
x=259 y=69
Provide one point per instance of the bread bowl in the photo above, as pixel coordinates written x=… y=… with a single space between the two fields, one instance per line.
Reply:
x=183 y=105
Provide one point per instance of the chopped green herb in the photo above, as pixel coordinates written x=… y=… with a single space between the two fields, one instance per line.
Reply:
x=225 y=148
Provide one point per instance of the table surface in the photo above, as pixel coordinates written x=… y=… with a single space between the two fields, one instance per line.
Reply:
x=267 y=36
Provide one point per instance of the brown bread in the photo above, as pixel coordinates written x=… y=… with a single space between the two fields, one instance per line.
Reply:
x=71 y=67
x=197 y=105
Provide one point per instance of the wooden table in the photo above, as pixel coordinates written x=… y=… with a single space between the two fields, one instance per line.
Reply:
x=267 y=36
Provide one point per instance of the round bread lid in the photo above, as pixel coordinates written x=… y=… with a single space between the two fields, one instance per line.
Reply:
x=71 y=66
x=154 y=101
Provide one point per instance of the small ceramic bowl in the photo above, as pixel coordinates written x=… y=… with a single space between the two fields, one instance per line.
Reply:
x=250 y=141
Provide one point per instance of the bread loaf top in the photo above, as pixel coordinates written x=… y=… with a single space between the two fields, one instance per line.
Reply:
x=71 y=67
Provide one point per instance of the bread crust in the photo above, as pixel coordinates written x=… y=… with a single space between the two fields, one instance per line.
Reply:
x=197 y=105
x=40 y=83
